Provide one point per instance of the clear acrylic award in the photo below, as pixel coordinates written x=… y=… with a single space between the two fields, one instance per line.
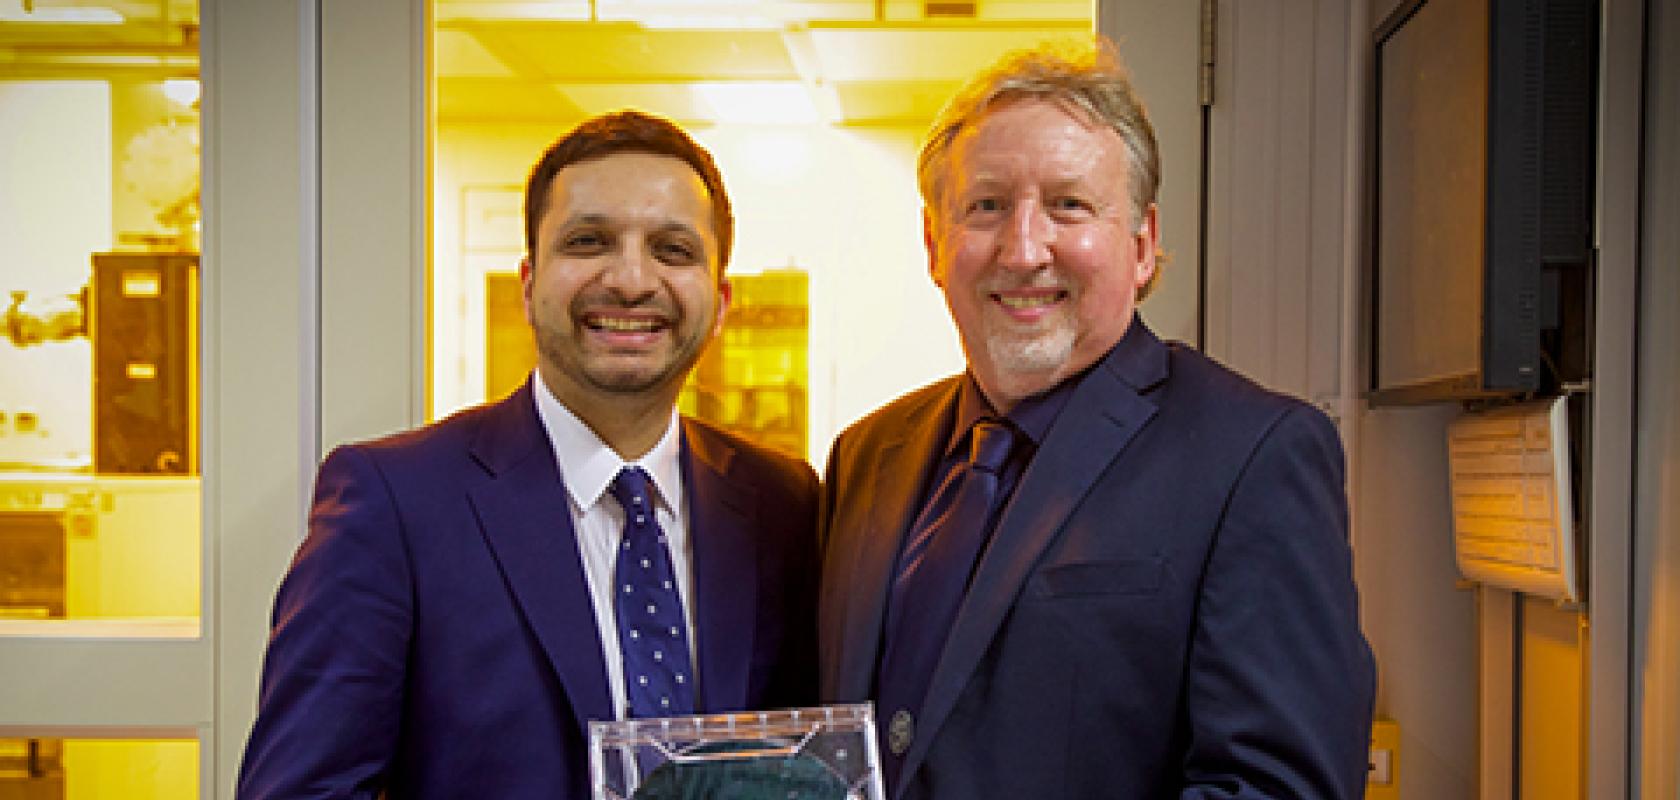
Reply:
x=824 y=753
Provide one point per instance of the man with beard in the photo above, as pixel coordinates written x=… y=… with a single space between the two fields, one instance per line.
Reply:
x=1095 y=565
x=472 y=593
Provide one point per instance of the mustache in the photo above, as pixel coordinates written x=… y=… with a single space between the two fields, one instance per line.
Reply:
x=599 y=300
x=1008 y=282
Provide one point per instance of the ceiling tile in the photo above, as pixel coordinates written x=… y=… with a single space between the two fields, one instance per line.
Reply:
x=487 y=100
x=893 y=102
x=847 y=53
x=627 y=53
x=460 y=54
x=665 y=99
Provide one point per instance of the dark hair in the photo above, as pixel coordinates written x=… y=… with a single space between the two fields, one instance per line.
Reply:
x=627 y=132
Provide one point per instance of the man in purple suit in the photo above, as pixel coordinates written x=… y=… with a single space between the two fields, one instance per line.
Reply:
x=472 y=593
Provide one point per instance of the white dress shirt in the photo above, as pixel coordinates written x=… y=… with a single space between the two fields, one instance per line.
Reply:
x=587 y=468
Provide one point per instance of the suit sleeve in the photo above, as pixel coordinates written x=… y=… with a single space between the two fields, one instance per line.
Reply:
x=826 y=497
x=796 y=681
x=831 y=587
x=1280 y=679
x=332 y=682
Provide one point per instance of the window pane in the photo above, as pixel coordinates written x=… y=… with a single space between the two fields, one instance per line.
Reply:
x=813 y=112
x=87 y=769
x=99 y=239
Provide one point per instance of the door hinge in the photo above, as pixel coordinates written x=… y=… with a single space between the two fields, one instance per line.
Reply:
x=1210 y=16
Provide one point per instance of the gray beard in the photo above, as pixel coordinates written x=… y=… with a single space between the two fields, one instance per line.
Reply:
x=1041 y=353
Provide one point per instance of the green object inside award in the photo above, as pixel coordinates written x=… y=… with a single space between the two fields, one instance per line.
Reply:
x=742 y=770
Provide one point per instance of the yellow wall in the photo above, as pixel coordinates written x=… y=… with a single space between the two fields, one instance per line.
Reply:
x=132 y=770
x=1552 y=702
x=55 y=201
x=55 y=154
x=72 y=185
x=137 y=556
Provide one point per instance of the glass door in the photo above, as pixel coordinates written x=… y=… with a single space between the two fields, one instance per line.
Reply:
x=101 y=546
x=159 y=388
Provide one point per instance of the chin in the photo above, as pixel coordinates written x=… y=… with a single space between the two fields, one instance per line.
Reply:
x=627 y=381
x=1030 y=356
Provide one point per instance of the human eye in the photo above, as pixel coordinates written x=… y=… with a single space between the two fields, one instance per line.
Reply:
x=1069 y=204
x=585 y=241
x=677 y=251
x=983 y=205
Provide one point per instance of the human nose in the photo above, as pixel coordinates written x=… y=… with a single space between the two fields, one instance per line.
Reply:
x=1026 y=237
x=630 y=273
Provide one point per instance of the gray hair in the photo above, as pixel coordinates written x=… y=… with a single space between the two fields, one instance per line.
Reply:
x=1087 y=78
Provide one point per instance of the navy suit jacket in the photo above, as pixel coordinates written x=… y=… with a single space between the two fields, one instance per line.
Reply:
x=1165 y=610
x=435 y=635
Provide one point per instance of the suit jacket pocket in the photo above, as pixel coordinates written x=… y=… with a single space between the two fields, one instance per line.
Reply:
x=1139 y=576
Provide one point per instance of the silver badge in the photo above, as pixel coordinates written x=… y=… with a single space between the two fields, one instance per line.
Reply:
x=900 y=731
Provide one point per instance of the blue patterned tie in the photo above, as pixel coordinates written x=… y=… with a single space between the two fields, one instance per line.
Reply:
x=933 y=573
x=652 y=632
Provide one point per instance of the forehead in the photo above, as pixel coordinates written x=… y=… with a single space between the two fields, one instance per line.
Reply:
x=1037 y=135
x=631 y=186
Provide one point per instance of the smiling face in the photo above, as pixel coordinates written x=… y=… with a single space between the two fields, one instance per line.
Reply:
x=1034 y=246
x=625 y=290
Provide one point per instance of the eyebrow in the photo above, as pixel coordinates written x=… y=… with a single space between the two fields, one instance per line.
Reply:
x=986 y=181
x=667 y=226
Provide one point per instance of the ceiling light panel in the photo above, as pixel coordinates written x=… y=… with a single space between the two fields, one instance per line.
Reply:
x=446 y=11
x=14 y=11
x=859 y=53
x=621 y=53
x=733 y=14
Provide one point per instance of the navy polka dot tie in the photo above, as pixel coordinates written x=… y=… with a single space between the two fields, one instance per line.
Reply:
x=652 y=632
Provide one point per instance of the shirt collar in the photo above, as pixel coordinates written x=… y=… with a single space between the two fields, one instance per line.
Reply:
x=1031 y=417
x=588 y=466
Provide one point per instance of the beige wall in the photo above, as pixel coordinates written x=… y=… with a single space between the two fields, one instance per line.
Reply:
x=1569 y=687
x=1657 y=473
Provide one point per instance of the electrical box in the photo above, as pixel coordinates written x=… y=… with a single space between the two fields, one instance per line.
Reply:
x=1513 y=511
x=1382 y=780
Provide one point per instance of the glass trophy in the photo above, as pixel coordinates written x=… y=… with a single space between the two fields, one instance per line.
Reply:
x=824 y=753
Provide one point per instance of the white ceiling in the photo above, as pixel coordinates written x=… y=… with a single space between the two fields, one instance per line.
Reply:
x=864 y=62
x=156 y=39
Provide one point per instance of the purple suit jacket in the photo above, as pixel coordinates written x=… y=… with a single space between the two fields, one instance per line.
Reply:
x=435 y=635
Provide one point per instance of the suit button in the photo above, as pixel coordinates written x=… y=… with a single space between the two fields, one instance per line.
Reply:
x=900 y=731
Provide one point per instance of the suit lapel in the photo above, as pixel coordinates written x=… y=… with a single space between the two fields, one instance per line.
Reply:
x=721 y=523
x=527 y=521
x=900 y=468
x=1107 y=409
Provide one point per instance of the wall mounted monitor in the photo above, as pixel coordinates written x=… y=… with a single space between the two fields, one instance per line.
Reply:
x=1481 y=197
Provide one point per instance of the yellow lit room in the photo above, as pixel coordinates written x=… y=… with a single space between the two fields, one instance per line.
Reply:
x=813 y=110
x=99 y=425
